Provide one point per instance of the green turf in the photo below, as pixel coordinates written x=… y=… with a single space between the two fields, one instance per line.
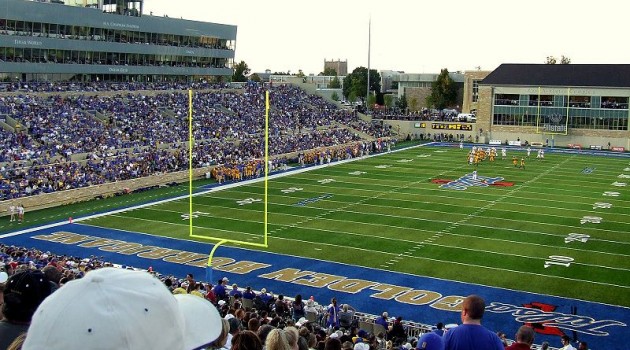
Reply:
x=497 y=236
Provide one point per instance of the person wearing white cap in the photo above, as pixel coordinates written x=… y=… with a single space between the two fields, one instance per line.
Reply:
x=114 y=308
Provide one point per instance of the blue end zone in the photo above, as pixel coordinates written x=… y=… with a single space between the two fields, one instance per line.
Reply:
x=421 y=299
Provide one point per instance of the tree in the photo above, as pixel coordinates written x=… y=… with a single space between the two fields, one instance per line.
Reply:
x=413 y=104
x=329 y=72
x=334 y=96
x=241 y=70
x=402 y=103
x=553 y=60
x=300 y=74
x=255 y=77
x=335 y=83
x=443 y=91
x=356 y=82
x=371 y=101
x=389 y=101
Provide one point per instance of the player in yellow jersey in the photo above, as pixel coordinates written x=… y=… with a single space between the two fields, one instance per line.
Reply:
x=515 y=161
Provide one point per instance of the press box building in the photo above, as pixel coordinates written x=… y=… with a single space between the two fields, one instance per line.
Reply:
x=578 y=105
x=108 y=40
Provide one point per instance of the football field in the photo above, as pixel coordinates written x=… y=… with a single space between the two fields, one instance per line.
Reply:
x=560 y=226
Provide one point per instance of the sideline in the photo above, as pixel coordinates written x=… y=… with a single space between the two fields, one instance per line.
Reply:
x=211 y=188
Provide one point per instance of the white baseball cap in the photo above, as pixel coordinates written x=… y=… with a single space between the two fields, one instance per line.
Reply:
x=114 y=308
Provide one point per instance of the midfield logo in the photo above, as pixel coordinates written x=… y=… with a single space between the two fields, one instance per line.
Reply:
x=467 y=181
x=546 y=316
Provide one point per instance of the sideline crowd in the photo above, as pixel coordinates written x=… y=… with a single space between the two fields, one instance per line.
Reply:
x=54 y=301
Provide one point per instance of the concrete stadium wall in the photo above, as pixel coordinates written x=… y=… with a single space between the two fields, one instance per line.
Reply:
x=54 y=199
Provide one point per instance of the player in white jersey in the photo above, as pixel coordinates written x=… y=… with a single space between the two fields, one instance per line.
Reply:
x=20 y=210
x=12 y=212
x=529 y=151
x=503 y=153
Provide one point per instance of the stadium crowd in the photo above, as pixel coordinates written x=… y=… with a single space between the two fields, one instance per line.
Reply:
x=72 y=141
x=58 y=302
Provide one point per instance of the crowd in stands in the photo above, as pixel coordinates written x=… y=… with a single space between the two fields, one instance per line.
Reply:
x=445 y=115
x=83 y=87
x=72 y=141
x=62 y=302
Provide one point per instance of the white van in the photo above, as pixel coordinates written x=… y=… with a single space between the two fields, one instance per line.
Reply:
x=466 y=117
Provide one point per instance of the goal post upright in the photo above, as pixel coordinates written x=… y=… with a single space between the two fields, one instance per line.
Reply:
x=220 y=241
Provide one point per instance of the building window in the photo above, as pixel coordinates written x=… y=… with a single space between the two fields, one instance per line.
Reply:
x=506 y=99
x=475 y=90
x=614 y=102
x=543 y=100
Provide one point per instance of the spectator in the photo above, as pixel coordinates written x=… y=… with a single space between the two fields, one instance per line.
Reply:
x=266 y=297
x=430 y=341
x=292 y=337
x=235 y=328
x=246 y=340
x=566 y=343
x=253 y=325
x=23 y=293
x=503 y=338
x=584 y=345
x=220 y=291
x=524 y=339
x=396 y=332
x=346 y=316
x=333 y=344
x=120 y=308
x=263 y=333
x=249 y=294
x=439 y=329
x=281 y=306
x=383 y=320
x=332 y=314
x=222 y=338
x=471 y=334
x=277 y=340
x=235 y=292
x=298 y=308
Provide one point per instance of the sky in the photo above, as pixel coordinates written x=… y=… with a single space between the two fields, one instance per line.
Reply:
x=414 y=36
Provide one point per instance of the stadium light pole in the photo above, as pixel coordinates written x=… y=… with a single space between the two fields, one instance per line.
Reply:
x=367 y=98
